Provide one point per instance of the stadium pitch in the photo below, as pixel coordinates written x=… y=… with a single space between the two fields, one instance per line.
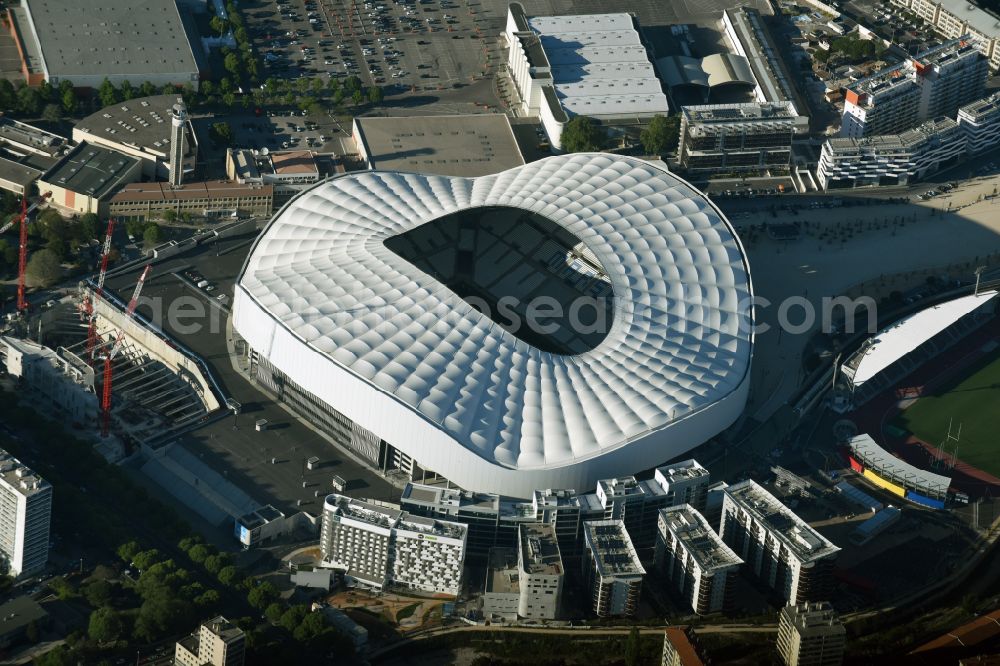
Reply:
x=972 y=400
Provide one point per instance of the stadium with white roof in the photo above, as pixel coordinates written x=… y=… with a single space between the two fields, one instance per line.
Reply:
x=580 y=317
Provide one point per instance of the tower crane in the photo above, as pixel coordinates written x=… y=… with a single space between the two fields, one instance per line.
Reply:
x=22 y=255
x=115 y=348
x=98 y=292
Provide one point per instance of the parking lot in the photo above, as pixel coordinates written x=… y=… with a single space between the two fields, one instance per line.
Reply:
x=401 y=45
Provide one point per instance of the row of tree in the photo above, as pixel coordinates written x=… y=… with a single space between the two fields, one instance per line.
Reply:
x=582 y=134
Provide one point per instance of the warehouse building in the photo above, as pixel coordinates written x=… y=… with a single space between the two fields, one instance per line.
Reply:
x=26 y=153
x=611 y=569
x=745 y=31
x=592 y=65
x=85 y=180
x=86 y=41
x=697 y=565
x=209 y=199
x=140 y=128
x=783 y=551
x=376 y=546
x=469 y=145
x=726 y=138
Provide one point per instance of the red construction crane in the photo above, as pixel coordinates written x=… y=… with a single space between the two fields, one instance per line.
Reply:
x=22 y=257
x=98 y=292
x=115 y=348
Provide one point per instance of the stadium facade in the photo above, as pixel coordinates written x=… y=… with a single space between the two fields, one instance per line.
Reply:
x=399 y=313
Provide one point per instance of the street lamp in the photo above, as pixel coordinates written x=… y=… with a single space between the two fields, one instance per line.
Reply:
x=235 y=407
x=979 y=276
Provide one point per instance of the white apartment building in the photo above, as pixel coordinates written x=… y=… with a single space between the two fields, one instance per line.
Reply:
x=694 y=560
x=540 y=572
x=781 y=549
x=217 y=642
x=377 y=546
x=980 y=121
x=955 y=18
x=934 y=83
x=25 y=512
x=611 y=568
x=810 y=635
x=493 y=521
x=891 y=159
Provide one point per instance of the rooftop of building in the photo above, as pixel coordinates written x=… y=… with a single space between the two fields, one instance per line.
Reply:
x=681 y=642
x=548 y=499
x=874 y=456
x=91 y=170
x=612 y=549
x=23 y=134
x=450 y=497
x=885 y=80
x=81 y=37
x=705 y=546
x=982 y=108
x=291 y=162
x=361 y=511
x=813 y=617
x=142 y=123
x=19 y=173
x=208 y=189
x=502 y=575
x=18 y=613
x=979 y=19
x=432 y=527
x=761 y=53
x=260 y=516
x=539 y=550
x=466 y=145
x=942 y=54
x=970 y=634
x=681 y=471
x=806 y=543
x=223 y=628
x=736 y=113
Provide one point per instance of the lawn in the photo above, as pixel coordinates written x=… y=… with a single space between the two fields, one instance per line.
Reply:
x=972 y=400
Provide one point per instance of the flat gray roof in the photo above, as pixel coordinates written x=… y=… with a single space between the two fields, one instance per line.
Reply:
x=91 y=170
x=143 y=122
x=475 y=145
x=87 y=37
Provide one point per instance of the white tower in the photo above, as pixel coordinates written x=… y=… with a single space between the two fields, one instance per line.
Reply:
x=178 y=119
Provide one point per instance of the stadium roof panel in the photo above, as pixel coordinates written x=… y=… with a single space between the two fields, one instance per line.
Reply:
x=888 y=465
x=898 y=340
x=324 y=299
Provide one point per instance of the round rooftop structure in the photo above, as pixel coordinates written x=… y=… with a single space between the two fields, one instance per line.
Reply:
x=575 y=318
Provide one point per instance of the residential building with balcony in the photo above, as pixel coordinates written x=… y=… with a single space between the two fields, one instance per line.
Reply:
x=611 y=568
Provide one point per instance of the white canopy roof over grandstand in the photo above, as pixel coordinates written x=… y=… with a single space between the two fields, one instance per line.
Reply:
x=895 y=469
x=600 y=67
x=325 y=300
x=898 y=340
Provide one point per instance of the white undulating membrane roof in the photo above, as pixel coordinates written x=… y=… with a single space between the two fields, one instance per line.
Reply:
x=895 y=342
x=321 y=276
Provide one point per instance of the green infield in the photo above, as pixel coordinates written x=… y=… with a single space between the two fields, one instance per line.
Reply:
x=973 y=400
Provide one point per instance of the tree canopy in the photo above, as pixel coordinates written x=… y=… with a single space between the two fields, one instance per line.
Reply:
x=43 y=269
x=660 y=135
x=582 y=134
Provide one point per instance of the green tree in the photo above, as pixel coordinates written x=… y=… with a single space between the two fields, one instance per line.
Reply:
x=208 y=599
x=261 y=596
x=230 y=576
x=8 y=95
x=333 y=85
x=29 y=101
x=69 y=102
x=214 y=564
x=581 y=135
x=152 y=234
x=357 y=97
x=232 y=64
x=632 y=647
x=198 y=553
x=43 y=269
x=105 y=625
x=127 y=551
x=229 y=99
x=219 y=25
x=274 y=612
x=31 y=632
x=60 y=656
x=292 y=617
x=88 y=226
x=375 y=95
x=98 y=593
x=146 y=559
x=126 y=91
x=147 y=89
x=60 y=586
x=58 y=247
x=660 y=134
x=52 y=113
x=107 y=93
x=222 y=133
x=169 y=215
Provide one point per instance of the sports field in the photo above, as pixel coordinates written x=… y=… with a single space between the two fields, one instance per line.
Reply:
x=972 y=400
